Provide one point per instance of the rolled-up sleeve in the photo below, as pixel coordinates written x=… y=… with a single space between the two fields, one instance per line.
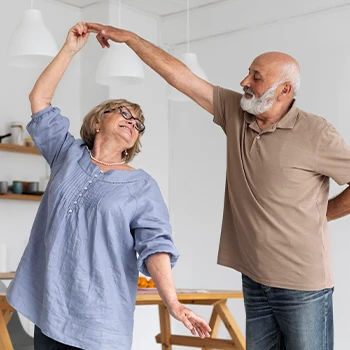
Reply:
x=151 y=228
x=49 y=131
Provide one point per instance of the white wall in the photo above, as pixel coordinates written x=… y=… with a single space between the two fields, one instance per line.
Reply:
x=319 y=42
x=17 y=216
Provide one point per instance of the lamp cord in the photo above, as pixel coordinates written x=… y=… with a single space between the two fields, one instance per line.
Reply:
x=188 y=26
x=119 y=13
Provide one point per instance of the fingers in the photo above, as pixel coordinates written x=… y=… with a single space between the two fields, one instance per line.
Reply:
x=102 y=40
x=188 y=325
x=86 y=35
x=105 y=38
x=200 y=326
x=100 y=30
x=107 y=33
x=196 y=324
x=80 y=28
x=94 y=27
x=77 y=37
x=196 y=329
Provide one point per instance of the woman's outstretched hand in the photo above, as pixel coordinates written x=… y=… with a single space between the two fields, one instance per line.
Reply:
x=77 y=37
x=105 y=33
x=192 y=321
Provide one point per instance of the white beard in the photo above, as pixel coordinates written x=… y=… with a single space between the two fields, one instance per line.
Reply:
x=259 y=105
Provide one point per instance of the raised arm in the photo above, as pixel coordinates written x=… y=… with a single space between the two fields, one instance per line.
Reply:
x=159 y=268
x=167 y=66
x=44 y=88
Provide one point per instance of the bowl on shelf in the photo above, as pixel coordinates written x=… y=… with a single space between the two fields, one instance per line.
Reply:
x=28 y=141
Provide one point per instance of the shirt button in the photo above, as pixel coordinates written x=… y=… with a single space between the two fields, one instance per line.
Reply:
x=85 y=188
x=258 y=137
x=101 y=171
x=75 y=202
x=80 y=194
x=96 y=175
x=90 y=182
x=70 y=211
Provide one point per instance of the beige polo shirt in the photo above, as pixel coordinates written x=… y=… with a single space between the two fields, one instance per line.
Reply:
x=274 y=226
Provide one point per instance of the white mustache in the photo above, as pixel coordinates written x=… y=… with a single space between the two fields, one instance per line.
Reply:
x=248 y=91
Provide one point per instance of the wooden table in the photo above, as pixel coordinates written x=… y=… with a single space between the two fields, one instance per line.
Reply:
x=220 y=312
x=7 y=275
x=216 y=299
x=6 y=312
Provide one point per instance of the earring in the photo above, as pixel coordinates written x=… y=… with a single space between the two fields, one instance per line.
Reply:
x=126 y=154
x=97 y=130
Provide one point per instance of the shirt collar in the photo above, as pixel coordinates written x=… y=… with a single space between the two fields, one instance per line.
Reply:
x=287 y=122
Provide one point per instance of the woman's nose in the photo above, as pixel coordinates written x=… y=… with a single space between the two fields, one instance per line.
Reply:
x=132 y=122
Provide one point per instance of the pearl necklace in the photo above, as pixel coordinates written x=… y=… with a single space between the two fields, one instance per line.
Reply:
x=103 y=163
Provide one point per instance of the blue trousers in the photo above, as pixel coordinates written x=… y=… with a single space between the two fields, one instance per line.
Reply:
x=279 y=319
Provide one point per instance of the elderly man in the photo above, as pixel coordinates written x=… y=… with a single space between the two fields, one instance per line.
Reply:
x=274 y=228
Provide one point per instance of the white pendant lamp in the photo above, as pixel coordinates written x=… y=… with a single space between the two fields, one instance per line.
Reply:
x=32 y=44
x=191 y=61
x=119 y=65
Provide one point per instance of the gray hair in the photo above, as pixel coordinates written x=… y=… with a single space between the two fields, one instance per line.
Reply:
x=291 y=73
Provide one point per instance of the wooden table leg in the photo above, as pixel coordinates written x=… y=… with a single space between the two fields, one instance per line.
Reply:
x=5 y=341
x=165 y=333
x=231 y=325
x=214 y=324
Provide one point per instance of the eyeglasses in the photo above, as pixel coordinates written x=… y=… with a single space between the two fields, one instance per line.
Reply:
x=125 y=112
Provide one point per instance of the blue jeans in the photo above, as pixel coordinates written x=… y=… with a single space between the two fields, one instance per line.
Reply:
x=282 y=319
x=43 y=342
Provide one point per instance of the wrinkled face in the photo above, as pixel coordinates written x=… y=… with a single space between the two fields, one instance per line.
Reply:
x=124 y=130
x=259 y=87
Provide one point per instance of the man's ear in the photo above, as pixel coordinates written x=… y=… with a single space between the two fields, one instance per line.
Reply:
x=286 y=89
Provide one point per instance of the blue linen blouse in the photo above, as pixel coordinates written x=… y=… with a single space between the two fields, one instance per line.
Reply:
x=94 y=230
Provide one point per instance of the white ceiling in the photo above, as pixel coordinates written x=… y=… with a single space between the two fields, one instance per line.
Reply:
x=157 y=7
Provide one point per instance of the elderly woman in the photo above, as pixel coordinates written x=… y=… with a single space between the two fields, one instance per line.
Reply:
x=100 y=221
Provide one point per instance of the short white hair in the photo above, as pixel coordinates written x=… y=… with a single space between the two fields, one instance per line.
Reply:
x=291 y=73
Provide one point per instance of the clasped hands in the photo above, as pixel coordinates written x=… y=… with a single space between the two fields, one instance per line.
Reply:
x=79 y=34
